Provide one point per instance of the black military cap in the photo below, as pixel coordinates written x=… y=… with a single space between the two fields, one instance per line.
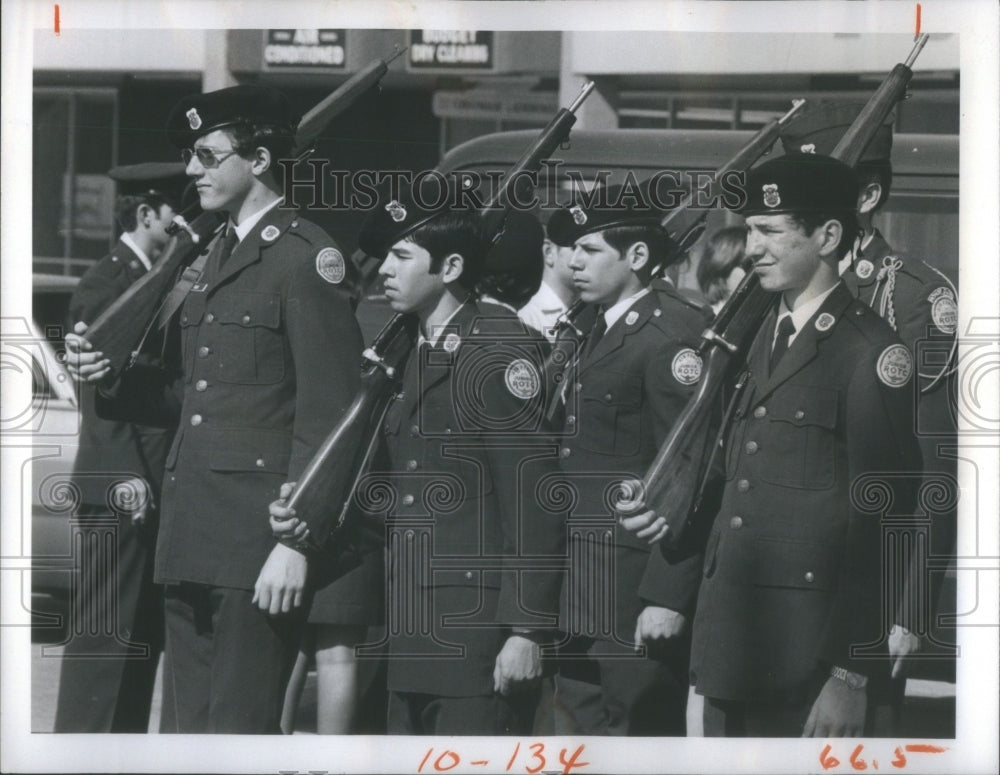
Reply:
x=623 y=205
x=394 y=217
x=154 y=178
x=560 y=227
x=199 y=114
x=519 y=248
x=800 y=182
x=819 y=127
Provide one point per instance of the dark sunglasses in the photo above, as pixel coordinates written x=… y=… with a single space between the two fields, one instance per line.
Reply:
x=207 y=157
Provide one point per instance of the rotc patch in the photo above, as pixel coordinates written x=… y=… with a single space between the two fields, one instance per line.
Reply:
x=686 y=366
x=631 y=317
x=330 y=265
x=895 y=365
x=944 y=310
x=521 y=378
x=771 y=196
x=825 y=321
x=270 y=233
x=451 y=343
x=864 y=269
x=194 y=120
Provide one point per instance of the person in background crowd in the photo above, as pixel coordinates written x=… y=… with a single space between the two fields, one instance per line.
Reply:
x=556 y=291
x=109 y=663
x=921 y=304
x=723 y=266
x=624 y=669
x=269 y=362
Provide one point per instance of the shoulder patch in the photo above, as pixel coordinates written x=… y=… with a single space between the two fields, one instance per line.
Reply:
x=944 y=310
x=330 y=265
x=270 y=233
x=522 y=379
x=895 y=366
x=686 y=366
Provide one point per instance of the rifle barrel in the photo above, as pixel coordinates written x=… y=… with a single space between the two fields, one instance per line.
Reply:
x=917 y=48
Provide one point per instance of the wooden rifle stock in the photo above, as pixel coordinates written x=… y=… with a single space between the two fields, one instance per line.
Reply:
x=119 y=330
x=672 y=484
x=323 y=493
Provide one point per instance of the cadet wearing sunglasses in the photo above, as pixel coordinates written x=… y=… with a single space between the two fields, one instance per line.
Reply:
x=268 y=362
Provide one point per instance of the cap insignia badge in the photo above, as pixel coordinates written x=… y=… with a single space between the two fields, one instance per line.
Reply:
x=771 y=197
x=194 y=120
x=579 y=216
x=396 y=211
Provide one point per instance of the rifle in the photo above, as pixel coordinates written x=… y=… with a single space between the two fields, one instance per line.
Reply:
x=322 y=496
x=120 y=330
x=673 y=484
x=572 y=328
x=518 y=180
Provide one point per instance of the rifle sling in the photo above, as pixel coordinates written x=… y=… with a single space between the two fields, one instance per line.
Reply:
x=172 y=301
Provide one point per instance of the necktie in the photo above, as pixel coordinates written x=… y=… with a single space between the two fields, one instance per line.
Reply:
x=785 y=330
x=229 y=243
x=596 y=333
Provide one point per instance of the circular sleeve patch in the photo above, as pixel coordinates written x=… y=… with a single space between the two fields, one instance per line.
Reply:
x=686 y=366
x=330 y=265
x=522 y=379
x=944 y=310
x=895 y=366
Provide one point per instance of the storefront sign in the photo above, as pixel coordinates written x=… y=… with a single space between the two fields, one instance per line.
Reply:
x=313 y=49
x=449 y=50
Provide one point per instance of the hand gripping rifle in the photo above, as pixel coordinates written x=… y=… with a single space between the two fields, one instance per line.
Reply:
x=119 y=331
x=685 y=219
x=673 y=484
x=323 y=494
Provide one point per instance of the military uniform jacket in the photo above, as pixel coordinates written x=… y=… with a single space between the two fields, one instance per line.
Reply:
x=625 y=396
x=819 y=451
x=112 y=451
x=270 y=360
x=476 y=531
x=920 y=303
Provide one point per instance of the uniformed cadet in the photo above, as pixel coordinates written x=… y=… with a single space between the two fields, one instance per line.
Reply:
x=920 y=303
x=474 y=556
x=556 y=291
x=634 y=376
x=791 y=611
x=270 y=353
x=512 y=269
x=109 y=664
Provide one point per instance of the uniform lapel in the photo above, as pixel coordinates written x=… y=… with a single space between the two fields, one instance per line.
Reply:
x=251 y=248
x=435 y=364
x=803 y=350
x=134 y=268
x=614 y=337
